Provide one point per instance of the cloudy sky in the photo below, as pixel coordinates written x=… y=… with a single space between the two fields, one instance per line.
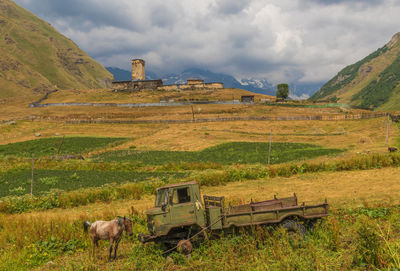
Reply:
x=285 y=40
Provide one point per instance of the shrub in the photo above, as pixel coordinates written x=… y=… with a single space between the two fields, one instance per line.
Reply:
x=50 y=181
x=71 y=199
x=369 y=247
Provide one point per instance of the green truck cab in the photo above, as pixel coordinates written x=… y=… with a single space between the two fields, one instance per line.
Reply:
x=177 y=205
x=180 y=213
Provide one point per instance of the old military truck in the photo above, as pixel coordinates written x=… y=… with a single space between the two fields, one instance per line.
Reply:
x=179 y=213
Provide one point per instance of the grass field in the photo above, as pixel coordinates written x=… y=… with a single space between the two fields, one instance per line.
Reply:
x=121 y=174
x=16 y=183
x=362 y=233
x=49 y=146
x=206 y=174
x=353 y=135
x=48 y=175
x=17 y=110
x=149 y=96
x=227 y=153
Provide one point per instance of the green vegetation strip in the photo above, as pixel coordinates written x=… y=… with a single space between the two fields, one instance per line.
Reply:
x=16 y=183
x=364 y=238
x=398 y=139
x=278 y=134
x=207 y=177
x=226 y=153
x=49 y=146
x=329 y=105
x=18 y=163
x=348 y=240
x=212 y=177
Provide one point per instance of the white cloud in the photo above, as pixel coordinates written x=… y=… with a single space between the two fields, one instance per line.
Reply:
x=287 y=40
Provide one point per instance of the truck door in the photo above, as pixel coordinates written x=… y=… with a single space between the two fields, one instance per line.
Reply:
x=182 y=208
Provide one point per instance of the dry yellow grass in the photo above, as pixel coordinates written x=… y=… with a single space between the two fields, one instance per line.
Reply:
x=14 y=109
x=342 y=189
x=379 y=187
x=354 y=135
x=148 y=96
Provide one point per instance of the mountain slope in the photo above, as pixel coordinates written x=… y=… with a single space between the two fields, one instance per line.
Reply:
x=372 y=82
x=34 y=57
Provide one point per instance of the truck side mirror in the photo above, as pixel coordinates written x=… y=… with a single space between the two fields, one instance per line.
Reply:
x=163 y=206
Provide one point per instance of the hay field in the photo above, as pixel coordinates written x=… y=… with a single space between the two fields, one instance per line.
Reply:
x=366 y=135
x=354 y=135
x=344 y=190
x=27 y=236
x=377 y=187
x=149 y=96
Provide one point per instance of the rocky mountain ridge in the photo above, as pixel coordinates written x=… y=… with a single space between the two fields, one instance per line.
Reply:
x=373 y=82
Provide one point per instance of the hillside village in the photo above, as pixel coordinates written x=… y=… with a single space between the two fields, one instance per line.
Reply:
x=139 y=81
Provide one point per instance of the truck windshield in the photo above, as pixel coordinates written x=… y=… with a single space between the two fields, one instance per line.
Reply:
x=162 y=195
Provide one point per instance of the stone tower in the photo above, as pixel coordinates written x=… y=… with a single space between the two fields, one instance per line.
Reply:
x=138 y=72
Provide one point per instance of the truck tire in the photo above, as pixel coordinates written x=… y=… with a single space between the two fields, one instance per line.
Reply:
x=292 y=226
x=185 y=247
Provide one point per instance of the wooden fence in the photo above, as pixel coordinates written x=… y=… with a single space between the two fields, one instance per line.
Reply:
x=261 y=118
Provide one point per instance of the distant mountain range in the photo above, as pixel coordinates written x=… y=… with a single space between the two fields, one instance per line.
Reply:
x=373 y=82
x=262 y=86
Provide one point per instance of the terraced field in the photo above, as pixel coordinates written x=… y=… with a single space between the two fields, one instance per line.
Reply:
x=50 y=146
x=226 y=153
x=345 y=161
x=51 y=176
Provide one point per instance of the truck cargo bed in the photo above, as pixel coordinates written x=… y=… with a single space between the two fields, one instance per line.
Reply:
x=260 y=213
x=263 y=205
x=274 y=215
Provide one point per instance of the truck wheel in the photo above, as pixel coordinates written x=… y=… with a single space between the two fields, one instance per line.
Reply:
x=292 y=226
x=185 y=247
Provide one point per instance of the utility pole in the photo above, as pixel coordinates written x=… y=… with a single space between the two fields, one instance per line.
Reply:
x=387 y=130
x=192 y=113
x=32 y=178
x=59 y=147
x=269 y=150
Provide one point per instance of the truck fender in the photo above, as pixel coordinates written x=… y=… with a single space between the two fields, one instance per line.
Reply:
x=291 y=217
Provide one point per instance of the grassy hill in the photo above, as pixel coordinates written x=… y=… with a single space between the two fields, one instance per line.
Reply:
x=372 y=82
x=34 y=57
